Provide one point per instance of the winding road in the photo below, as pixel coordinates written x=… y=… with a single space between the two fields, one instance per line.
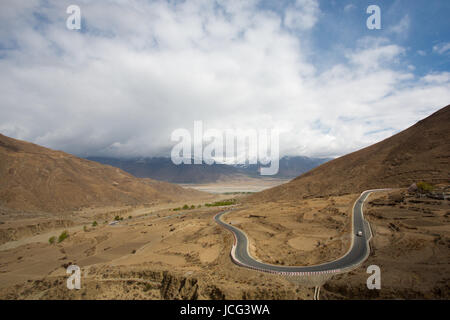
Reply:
x=358 y=252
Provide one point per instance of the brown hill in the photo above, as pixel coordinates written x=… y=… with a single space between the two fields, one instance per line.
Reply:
x=419 y=153
x=34 y=178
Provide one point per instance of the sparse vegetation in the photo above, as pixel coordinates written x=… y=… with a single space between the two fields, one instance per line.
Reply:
x=63 y=236
x=186 y=207
x=94 y=224
x=228 y=202
x=147 y=287
x=424 y=187
x=118 y=218
x=51 y=240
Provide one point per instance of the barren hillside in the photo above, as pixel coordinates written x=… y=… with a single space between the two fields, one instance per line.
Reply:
x=34 y=178
x=419 y=153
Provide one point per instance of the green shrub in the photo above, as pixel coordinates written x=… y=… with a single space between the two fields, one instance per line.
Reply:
x=51 y=240
x=63 y=236
x=129 y=217
x=424 y=187
x=94 y=224
x=221 y=203
x=192 y=207
x=147 y=287
x=185 y=207
x=118 y=218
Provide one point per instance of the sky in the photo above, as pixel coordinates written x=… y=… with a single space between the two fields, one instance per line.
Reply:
x=138 y=70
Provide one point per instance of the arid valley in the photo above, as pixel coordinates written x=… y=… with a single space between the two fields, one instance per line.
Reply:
x=173 y=249
x=157 y=254
x=220 y=159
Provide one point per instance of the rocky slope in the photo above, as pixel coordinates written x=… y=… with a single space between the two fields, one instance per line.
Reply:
x=419 y=153
x=34 y=178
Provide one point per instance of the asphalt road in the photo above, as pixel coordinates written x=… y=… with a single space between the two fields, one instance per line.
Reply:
x=358 y=252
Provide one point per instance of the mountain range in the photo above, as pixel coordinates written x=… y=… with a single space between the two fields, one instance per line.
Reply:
x=34 y=178
x=419 y=153
x=38 y=178
x=162 y=168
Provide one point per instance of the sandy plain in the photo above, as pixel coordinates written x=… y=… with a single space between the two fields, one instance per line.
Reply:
x=158 y=253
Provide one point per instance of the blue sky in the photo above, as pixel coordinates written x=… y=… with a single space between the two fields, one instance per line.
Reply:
x=426 y=24
x=422 y=25
x=138 y=70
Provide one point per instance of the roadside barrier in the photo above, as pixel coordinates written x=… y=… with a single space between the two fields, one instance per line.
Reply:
x=306 y=273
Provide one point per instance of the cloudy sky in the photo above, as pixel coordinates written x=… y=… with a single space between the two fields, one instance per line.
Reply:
x=138 y=70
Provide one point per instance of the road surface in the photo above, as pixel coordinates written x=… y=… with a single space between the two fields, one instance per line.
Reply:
x=358 y=252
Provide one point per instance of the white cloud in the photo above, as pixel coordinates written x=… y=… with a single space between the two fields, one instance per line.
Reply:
x=349 y=7
x=442 y=48
x=442 y=78
x=374 y=56
x=147 y=68
x=302 y=15
x=402 y=27
x=421 y=53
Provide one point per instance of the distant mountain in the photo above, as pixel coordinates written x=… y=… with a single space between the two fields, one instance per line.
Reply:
x=419 y=153
x=34 y=178
x=162 y=168
x=292 y=166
